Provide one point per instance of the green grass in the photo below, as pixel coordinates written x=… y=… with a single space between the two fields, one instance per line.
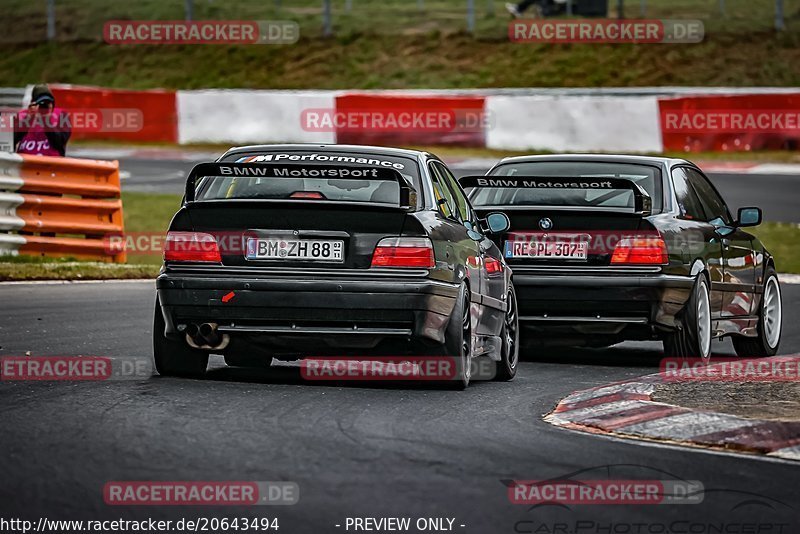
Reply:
x=148 y=214
x=783 y=241
x=392 y=44
x=84 y=19
x=16 y=268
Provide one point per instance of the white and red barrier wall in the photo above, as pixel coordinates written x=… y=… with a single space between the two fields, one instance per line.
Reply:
x=623 y=120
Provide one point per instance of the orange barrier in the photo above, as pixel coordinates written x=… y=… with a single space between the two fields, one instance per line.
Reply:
x=71 y=176
x=55 y=200
x=87 y=249
x=71 y=215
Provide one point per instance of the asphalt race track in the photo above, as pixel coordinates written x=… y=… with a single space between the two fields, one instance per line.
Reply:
x=355 y=450
x=776 y=194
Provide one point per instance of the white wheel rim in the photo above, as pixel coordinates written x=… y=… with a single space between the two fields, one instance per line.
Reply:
x=511 y=331
x=773 y=312
x=704 y=321
x=466 y=344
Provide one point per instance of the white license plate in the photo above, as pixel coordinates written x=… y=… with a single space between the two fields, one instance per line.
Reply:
x=552 y=249
x=295 y=249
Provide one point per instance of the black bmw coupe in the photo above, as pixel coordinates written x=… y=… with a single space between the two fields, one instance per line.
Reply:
x=287 y=251
x=613 y=248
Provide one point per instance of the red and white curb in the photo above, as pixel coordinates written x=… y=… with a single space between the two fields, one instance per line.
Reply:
x=626 y=409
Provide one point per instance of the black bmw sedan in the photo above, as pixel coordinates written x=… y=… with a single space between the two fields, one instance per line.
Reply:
x=289 y=251
x=613 y=248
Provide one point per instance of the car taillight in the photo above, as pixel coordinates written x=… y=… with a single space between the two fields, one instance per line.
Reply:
x=191 y=246
x=403 y=252
x=640 y=251
x=310 y=195
x=493 y=266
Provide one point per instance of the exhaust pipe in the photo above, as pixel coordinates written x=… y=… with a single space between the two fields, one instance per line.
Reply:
x=206 y=337
x=209 y=334
x=192 y=330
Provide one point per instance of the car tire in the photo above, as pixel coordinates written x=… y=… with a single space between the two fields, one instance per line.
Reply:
x=458 y=340
x=175 y=358
x=694 y=334
x=509 y=356
x=770 y=322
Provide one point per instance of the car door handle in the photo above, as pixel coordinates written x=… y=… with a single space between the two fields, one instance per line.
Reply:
x=726 y=243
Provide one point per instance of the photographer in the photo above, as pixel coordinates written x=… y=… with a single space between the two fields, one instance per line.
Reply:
x=42 y=129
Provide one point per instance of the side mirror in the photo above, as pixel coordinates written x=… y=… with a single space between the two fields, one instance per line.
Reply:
x=497 y=223
x=749 y=217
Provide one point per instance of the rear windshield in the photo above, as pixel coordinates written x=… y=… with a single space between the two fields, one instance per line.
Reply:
x=301 y=186
x=649 y=178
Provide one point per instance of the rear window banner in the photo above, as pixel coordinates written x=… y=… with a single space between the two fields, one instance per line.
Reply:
x=250 y=170
x=328 y=158
x=375 y=185
x=532 y=182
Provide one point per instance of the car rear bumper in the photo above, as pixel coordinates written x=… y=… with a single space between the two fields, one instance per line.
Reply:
x=600 y=304
x=303 y=308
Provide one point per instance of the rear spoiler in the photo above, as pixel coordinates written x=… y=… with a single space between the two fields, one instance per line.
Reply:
x=408 y=195
x=643 y=204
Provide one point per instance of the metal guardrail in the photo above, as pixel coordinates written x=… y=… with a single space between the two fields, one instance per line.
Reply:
x=45 y=202
x=11 y=97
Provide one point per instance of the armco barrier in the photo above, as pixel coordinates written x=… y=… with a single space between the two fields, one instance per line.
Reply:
x=47 y=202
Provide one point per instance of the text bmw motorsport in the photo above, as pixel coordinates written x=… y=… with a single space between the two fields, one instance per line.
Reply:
x=312 y=173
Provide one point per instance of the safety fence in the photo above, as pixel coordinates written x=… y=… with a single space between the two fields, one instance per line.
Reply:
x=65 y=21
x=687 y=119
x=59 y=207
